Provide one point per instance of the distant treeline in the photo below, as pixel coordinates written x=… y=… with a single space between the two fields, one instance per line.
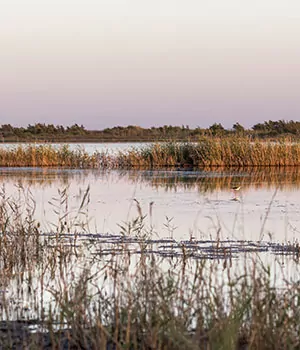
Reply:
x=74 y=133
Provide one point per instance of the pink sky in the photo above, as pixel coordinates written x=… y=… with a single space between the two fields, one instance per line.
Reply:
x=118 y=62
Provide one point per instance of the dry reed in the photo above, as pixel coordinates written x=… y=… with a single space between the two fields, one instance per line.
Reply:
x=105 y=297
x=207 y=152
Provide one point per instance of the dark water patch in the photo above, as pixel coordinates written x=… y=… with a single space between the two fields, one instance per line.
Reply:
x=31 y=334
x=210 y=249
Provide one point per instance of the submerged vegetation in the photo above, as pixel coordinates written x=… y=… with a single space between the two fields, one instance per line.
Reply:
x=85 y=291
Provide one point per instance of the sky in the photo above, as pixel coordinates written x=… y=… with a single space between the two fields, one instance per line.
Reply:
x=103 y=63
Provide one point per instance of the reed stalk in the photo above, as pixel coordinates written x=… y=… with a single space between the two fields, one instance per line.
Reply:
x=207 y=152
x=105 y=296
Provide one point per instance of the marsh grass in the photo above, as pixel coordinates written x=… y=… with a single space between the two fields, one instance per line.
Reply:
x=212 y=152
x=133 y=299
x=207 y=152
x=33 y=155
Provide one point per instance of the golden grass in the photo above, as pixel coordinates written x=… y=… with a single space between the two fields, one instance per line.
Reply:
x=207 y=152
x=212 y=152
x=47 y=156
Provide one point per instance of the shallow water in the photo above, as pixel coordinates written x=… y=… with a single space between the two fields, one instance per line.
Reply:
x=176 y=204
x=192 y=212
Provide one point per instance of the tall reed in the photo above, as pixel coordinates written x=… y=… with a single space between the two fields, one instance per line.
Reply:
x=47 y=156
x=211 y=152
x=207 y=152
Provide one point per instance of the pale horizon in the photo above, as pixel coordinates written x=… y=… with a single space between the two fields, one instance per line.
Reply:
x=127 y=62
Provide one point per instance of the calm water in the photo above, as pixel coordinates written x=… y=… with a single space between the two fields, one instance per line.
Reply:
x=178 y=206
x=175 y=204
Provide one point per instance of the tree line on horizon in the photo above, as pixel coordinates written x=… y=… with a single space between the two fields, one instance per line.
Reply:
x=75 y=132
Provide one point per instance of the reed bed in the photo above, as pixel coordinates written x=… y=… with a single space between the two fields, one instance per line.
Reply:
x=47 y=156
x=208 y=152
x=84 y=295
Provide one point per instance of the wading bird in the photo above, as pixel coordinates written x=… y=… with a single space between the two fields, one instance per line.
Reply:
x=235 y=190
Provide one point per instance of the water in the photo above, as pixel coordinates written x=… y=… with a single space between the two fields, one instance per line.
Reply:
x=187 y=204
x=194 y=210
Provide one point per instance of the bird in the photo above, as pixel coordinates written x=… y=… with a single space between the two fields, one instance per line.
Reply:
x=235 y=189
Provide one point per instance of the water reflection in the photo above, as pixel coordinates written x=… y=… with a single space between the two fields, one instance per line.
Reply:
x=200 y=202
x=43 y=177
x=220 y=179
x=208 y=180
x=193 y=219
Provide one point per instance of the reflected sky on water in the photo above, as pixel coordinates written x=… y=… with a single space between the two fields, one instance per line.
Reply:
x=177 y=204
x=184 y=207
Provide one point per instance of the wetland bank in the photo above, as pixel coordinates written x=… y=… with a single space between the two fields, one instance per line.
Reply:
x=149 y=248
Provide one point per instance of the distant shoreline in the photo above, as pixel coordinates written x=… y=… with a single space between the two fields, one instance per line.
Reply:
x=49 y=133
x=43 y=142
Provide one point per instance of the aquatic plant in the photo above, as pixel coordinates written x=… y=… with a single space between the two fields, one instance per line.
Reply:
x=207 y=152
x=97 y=291
x=220 y=152
x=34 y=155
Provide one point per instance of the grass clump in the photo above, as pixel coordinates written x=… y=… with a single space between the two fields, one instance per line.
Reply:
x=33 y=155
x=212 y=152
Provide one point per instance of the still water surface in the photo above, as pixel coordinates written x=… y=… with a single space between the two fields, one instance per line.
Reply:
x=177 y=204
x=181 y=205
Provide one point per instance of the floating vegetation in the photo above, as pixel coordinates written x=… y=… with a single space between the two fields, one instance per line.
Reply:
x=196 y=249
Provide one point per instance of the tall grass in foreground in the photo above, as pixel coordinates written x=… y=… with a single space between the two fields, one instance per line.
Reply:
x=120 y=298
